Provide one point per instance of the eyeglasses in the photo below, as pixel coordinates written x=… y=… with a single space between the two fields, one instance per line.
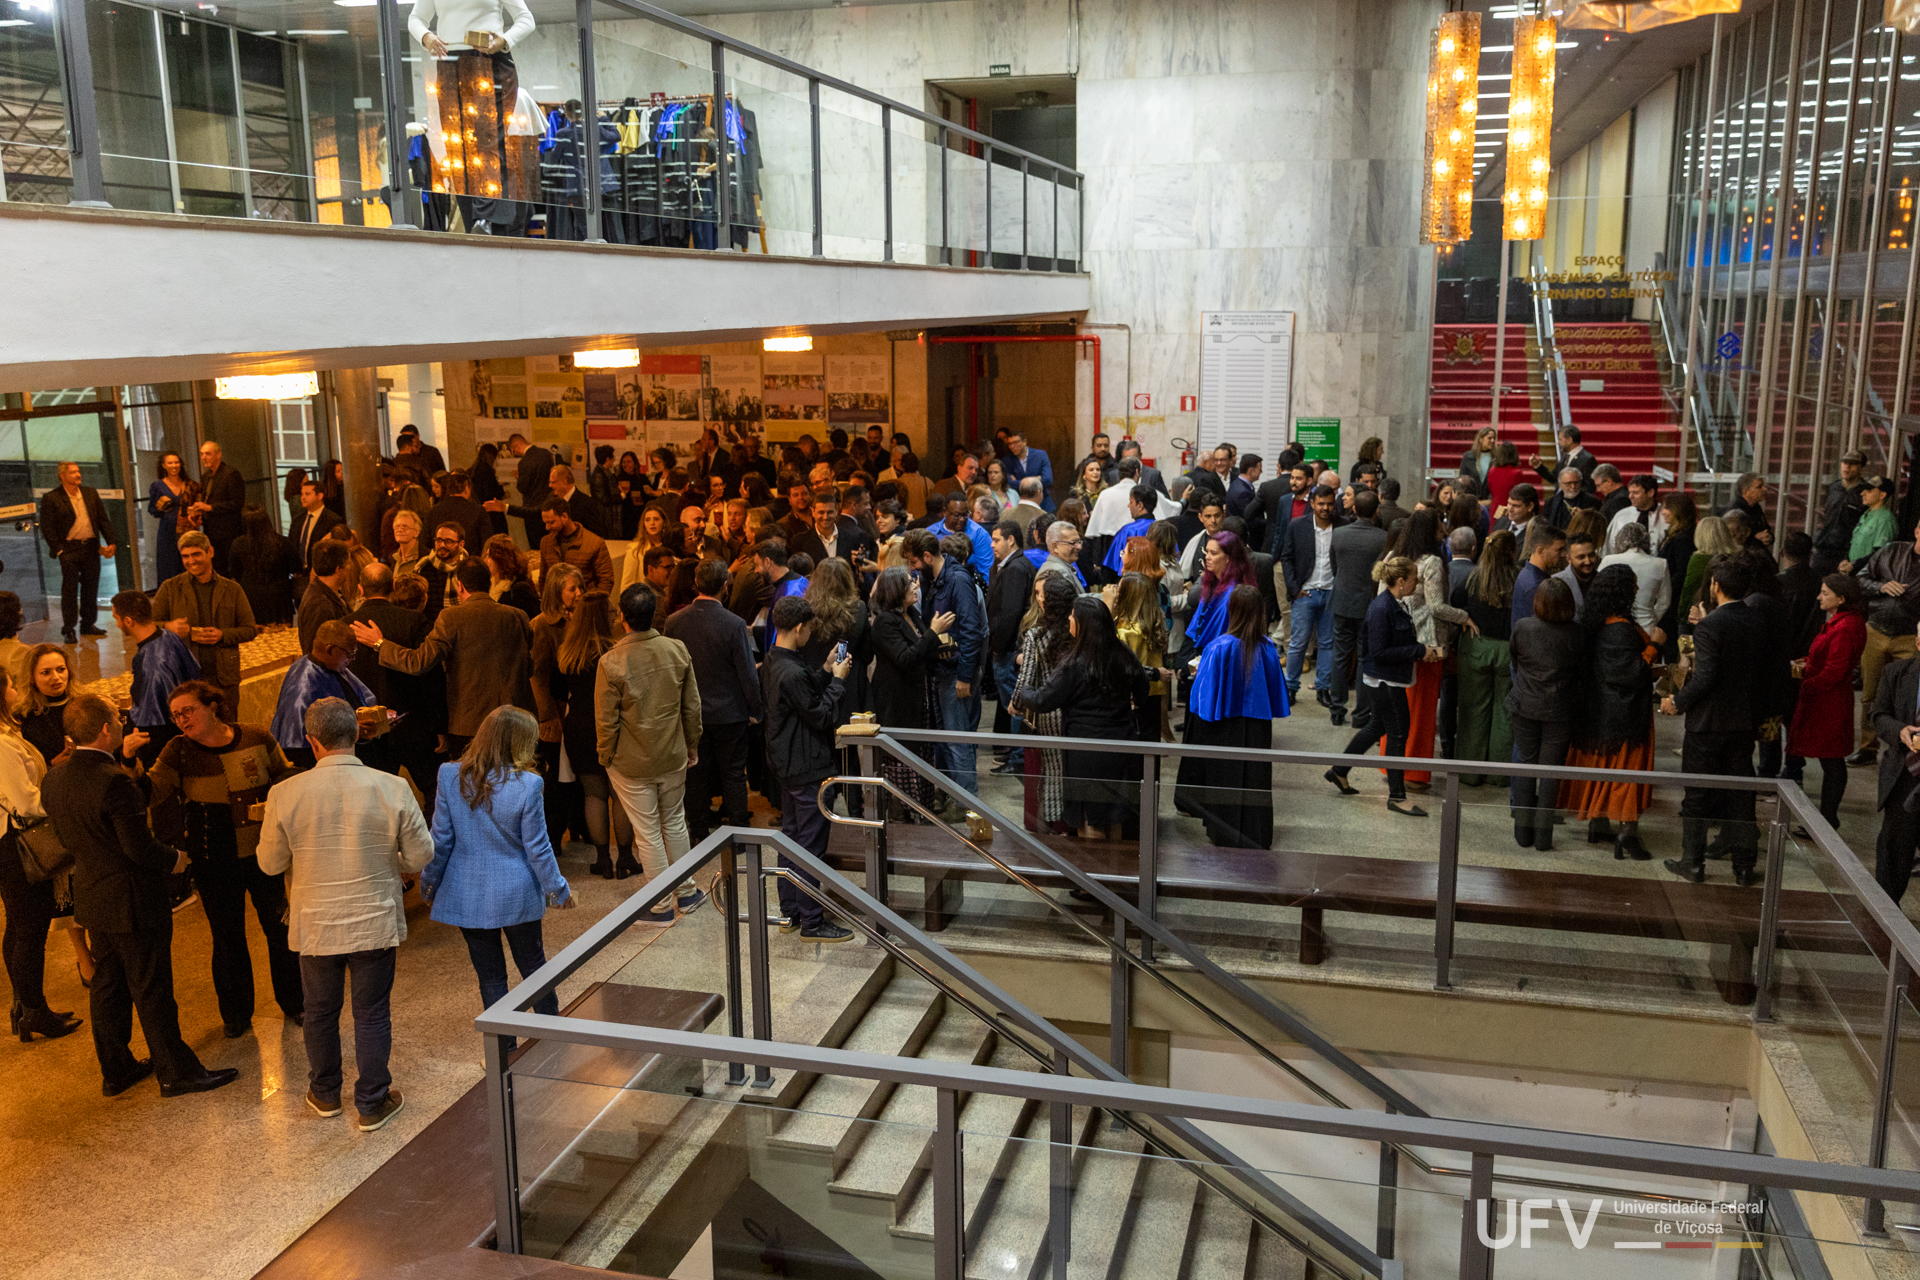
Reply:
x=186 y=713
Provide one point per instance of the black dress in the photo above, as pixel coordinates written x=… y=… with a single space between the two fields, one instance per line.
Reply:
x=47 y=730
x=901 y=692
x=523 y=597
x=1102 y=788
x=577 y=729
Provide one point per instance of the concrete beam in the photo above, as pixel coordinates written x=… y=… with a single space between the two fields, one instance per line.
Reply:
x=98 y=297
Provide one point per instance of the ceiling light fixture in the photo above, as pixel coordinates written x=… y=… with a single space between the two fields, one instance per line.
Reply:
x=1453 y=92
x=801 y=343
x=1531 y=126
x=267 y=386
x=617 y=358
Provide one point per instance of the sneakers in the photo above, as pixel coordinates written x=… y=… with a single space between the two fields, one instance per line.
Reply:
x=690 y=902
x=659 y=915
x=826 y=931
x=325 y=1110
x=377 y=1119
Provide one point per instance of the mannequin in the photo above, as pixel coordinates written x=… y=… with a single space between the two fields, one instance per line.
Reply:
x=477 y=88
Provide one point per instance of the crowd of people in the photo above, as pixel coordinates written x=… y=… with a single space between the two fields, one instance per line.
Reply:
x=1514 y=613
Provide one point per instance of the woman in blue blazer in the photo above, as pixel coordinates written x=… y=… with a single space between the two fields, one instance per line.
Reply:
x=493 y=870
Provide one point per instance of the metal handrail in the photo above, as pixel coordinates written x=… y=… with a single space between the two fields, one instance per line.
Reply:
x=1085 y=884
x=935 y=962
x=508 y=1018
x=1903 y=939
x=686 y=26
x=1141 y=963
x=1183 y=1129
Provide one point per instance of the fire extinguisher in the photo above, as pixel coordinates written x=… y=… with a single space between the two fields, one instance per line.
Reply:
x=1186 y=452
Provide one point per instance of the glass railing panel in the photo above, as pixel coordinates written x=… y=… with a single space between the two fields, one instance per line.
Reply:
x=647 y=1164
x=1903 y=1110
x=916 y=190
x=852 y=191
x=131 y=107
x=966 y=203
x=1071 y=206
x=33 y=126
x=778 y=115
x=1829 y=993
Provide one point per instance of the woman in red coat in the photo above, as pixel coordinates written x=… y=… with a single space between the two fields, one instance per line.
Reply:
x=1822 y=726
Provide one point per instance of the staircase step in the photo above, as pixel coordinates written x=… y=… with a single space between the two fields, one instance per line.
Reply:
x=835 y=1104
x=1165 y=1213
x=889 y=1151
x=989 y=1123
x=1106 y=1165
x=1223 y=1240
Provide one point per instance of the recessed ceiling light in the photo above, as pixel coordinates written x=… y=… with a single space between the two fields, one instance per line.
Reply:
x=328 y=32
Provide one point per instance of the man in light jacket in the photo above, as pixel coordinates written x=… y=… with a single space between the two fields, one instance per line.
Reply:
x=345 y=833
x=647 y=723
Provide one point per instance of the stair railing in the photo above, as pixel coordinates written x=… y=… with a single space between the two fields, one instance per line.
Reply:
x=1677 y=362
x=1153 y=934
x=1553 y=365
x=951 y=1082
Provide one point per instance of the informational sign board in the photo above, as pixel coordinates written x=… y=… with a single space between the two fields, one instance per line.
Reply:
x=1319 y=440
x=1246 y=380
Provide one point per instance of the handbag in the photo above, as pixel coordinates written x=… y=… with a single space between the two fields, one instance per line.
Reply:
x=42 y=856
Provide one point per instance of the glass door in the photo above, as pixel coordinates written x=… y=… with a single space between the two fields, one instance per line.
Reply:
x=33 y=444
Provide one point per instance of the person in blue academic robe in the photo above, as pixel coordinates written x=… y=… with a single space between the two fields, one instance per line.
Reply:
x=1238 y=692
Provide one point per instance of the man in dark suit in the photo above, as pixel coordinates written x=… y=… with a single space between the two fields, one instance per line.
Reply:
x=1568 y=498
x=1009 y=593
x=1572 y=454
x=832 y=535
x=1391 y=512
x=730 y=701
x=585 y=512
x=1355 y=547
x=419 y=699
x=79 y=535
x=315 y=522
x=457 y=505
x=1523 y=504
x=1610 y=489
x=1306 y=561
x=1276 y=504
x=1896 y=723
x=223 y=494
x=485 y=647
x=408 y=445
x=1240 y=492
x=328 y=585
x=120 y=899
x=1722 y=703
x=532 y=477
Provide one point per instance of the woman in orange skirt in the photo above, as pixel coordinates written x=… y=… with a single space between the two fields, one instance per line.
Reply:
x=1615 y=729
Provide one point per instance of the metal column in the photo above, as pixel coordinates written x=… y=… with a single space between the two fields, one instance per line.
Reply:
x=1500 y=335
x=83 y=124
x=1876 y=213
x=589 y=149
x=758 y=980
x=986 y=153
x=502 y=1141
x=813 y=112
x=1836 y=244
x=1447 y=886
x=1897 y=978
x=166 y=107
x=729 y=906
x=949 y=1223
x=1026 y=262
x=1797 y=360
x=723 y=192
x=1776 y=244
x=404 y=204
x=240 y=121
x=1476 y=1260
x=1694 y=303
x=886 y=183
x=946 y=253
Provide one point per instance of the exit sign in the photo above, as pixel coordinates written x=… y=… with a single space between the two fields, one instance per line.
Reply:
x=1000 y=69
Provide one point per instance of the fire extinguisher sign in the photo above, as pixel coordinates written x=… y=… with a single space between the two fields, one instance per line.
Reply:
x=1189 y=404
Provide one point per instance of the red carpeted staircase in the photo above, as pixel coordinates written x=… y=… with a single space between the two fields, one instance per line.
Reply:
x=1624 y=417
x=1462 y=398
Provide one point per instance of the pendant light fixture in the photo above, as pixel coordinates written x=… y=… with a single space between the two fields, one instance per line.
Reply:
x=1453 y=93
x=1529 y=128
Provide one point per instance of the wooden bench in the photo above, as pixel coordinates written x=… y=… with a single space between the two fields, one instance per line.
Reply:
x=428 y=1211
x=1722 y=916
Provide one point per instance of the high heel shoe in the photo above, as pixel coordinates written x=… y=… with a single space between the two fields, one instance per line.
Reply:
x=625 y=866
x=602 y=864
x=1600 y=831
x=45 y=1022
